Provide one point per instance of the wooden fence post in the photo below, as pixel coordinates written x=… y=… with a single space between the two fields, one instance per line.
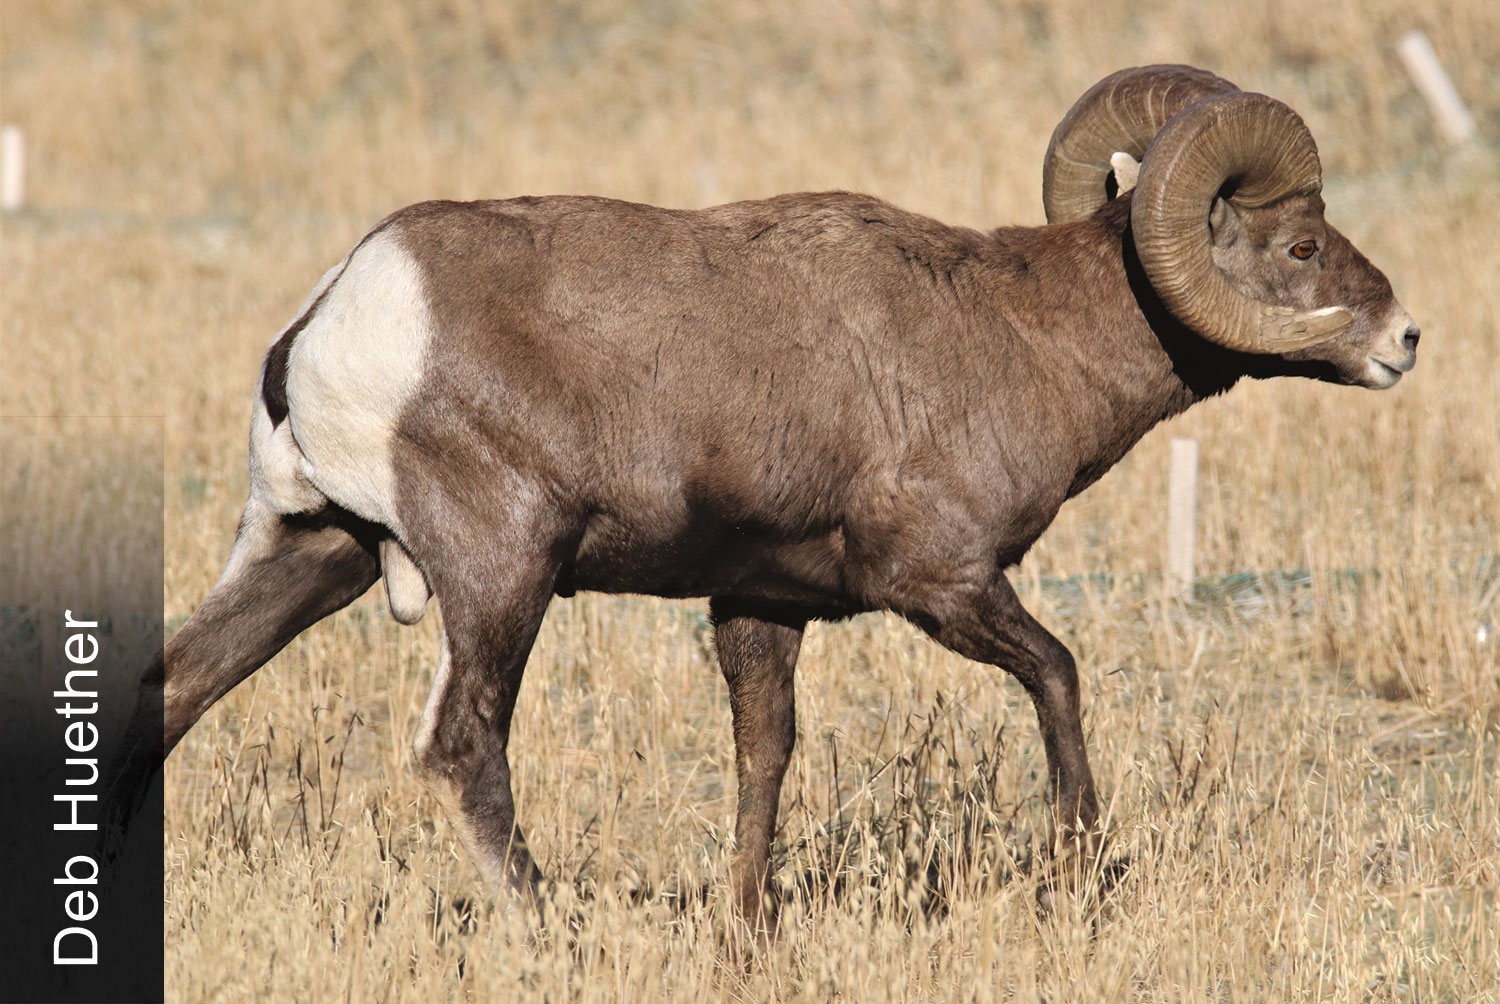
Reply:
x=12 y=168
x=1431 y=79
x=1182 y=512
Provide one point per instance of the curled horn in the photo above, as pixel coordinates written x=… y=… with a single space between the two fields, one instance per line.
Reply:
x=1261 y=149
x=1122 y=112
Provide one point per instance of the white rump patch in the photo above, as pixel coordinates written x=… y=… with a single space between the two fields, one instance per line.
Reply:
x=276 y=479
x=277 y=486
x=350 y=373
x=317 y=291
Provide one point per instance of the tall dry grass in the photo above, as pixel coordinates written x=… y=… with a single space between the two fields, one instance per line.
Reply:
x=1300 y=775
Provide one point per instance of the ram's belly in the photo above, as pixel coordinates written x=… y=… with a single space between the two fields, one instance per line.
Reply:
x=706 y=558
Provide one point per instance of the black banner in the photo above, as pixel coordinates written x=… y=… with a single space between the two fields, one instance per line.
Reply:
x=80 y=620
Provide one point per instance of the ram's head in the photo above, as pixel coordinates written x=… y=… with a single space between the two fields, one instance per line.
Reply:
x=1227 y=221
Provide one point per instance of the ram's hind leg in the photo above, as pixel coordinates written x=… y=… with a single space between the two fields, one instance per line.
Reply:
x=284 y=574
x=493 y=603
x=758 y=654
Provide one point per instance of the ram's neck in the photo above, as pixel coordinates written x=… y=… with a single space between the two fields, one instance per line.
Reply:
x=1110 y=362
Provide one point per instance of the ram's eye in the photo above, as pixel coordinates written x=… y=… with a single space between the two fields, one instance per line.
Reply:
x=1303 y=250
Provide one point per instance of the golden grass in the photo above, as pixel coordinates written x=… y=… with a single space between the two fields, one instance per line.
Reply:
x=1302 y=779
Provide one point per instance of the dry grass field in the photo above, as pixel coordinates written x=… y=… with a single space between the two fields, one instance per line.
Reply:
x=1300 y=768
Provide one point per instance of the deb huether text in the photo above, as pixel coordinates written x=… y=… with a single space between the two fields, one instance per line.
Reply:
x=77 y=945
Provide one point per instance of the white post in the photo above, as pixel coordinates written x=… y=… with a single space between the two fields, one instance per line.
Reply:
x=1432 y=80
x=12 y=168
x=1182 y=511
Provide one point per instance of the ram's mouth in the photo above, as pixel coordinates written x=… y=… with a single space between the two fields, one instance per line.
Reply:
x=1404 y=366
x=1380 y=375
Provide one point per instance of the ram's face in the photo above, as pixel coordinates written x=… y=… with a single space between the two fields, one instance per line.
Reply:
x=1287 y=255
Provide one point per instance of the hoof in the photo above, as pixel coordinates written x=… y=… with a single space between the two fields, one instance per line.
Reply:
x=1086 y=879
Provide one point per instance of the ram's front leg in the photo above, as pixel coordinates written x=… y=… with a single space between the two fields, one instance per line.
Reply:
x=988 y=624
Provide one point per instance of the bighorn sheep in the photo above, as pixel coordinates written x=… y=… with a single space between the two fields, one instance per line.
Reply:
x=803 y=407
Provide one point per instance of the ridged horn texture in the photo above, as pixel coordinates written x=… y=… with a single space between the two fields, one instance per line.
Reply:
x=1263 y=151
x=1122 y=112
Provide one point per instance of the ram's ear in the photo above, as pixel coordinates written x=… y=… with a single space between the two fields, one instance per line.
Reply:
x=1126 y=169
x=1223 y=223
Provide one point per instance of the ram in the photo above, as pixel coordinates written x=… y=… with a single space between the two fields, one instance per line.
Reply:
x=803 y=407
